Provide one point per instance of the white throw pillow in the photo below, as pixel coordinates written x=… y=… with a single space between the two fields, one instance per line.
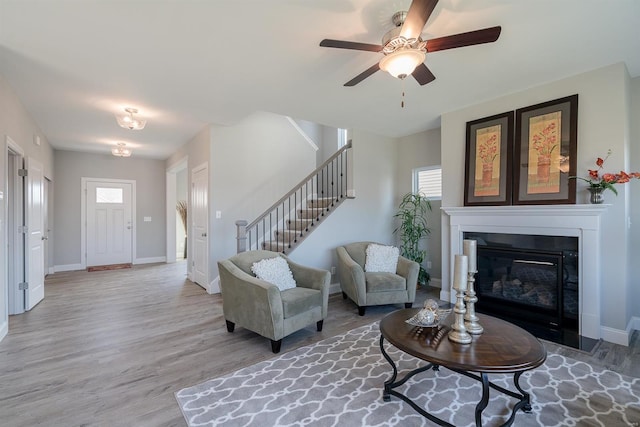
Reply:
x=381 y=259
x=276 y=271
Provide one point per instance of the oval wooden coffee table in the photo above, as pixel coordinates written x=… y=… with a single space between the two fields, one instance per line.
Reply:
x=502 y=348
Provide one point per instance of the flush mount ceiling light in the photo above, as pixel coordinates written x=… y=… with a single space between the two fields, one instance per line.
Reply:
x=129 y=121
x=121 y=150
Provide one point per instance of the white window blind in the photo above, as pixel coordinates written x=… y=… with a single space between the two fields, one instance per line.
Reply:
x=428 y=182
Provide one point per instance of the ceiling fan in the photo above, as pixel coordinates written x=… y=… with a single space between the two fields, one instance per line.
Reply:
x=404 y=51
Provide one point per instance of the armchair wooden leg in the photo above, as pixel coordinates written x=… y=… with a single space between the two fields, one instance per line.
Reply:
x=230 y=326
x=275 y=346
x=408 y=304
x=344 y=295
x=319 y=324
x=361 y=310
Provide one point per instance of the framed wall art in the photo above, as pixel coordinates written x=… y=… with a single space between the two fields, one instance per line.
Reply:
x=488 y=175
x=545 y=152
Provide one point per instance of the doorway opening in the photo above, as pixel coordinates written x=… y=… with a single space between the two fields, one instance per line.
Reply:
x=177 y=195
x=15 y=220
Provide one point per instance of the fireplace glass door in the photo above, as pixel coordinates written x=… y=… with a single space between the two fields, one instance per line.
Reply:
x=521 y=284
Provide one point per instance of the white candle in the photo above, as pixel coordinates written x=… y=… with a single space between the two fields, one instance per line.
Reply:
x=470 y=251
x=460 y=270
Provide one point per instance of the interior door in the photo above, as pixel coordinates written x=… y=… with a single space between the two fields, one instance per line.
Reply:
x=34 y=219
x=199 y=224
x=109 y=223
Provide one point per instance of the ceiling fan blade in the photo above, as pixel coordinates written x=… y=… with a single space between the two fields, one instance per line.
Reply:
x=341 y=44
x=486 y=35
x=419 y=12
x=360 y=77
x=423 y=75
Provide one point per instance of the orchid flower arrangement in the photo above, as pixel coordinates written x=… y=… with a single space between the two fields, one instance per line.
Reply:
x=604 y=181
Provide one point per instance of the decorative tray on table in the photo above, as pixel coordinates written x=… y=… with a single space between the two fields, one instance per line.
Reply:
x=430 y=316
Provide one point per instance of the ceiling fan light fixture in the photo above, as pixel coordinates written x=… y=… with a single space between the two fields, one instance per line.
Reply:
x=402 y=62
x=121 y=150
x=129 y=121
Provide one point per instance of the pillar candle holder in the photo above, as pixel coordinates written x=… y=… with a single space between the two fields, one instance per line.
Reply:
x=470 y=299
x=458 y=331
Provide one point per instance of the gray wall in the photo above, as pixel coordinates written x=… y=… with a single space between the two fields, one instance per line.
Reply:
x=325 y=137
x=253 y=164
x=329 y=144
x=17 y=124
x=149 y=175
x=603 y=123
x=415 y=151
x=634 y=191
x=246 y=164
x=367 y=217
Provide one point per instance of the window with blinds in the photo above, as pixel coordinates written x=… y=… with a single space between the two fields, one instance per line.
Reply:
x=428 y=182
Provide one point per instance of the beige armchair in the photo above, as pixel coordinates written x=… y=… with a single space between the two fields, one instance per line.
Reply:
x=367 y=288
x=262 y=308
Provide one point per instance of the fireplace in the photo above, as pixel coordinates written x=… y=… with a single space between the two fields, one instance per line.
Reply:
x=531 y=281
x=580 y=222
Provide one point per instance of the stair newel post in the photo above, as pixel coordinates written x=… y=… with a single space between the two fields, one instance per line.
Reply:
x=241 y=235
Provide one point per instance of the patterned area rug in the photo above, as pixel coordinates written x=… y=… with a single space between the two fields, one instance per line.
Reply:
x=339 y=381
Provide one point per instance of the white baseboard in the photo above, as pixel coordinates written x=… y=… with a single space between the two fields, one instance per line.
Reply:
x=214 y=286
x=4 y=329
x=150 y=260
x=634 y=324
x=334 y=288
x=68 y=267
x=616 y=336
x=445 y=295
x=435 y=282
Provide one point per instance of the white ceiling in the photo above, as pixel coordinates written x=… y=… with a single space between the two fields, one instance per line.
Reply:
x=183 y=64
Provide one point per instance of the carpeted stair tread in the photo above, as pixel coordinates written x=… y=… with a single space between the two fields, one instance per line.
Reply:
x=310 y=213
x=321 y=202
x=275 y=246
x=299 y=224
x=289 y=236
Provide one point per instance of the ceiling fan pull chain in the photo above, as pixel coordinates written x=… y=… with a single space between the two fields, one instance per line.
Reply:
x=402 y=102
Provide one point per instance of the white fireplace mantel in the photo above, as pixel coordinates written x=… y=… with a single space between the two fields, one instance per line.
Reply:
x=581 y=221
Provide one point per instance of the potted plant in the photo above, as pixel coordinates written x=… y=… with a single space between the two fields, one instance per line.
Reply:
x=181 y=207
x=412 y=213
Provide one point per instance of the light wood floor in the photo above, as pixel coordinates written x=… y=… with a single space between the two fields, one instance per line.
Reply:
x=110 y=348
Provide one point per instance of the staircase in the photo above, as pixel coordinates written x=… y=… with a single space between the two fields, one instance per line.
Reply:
x=283 y=226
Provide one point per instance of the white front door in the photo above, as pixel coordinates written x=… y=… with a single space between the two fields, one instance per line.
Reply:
x=199 y=224
x=109 y=223
x=35 y=234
